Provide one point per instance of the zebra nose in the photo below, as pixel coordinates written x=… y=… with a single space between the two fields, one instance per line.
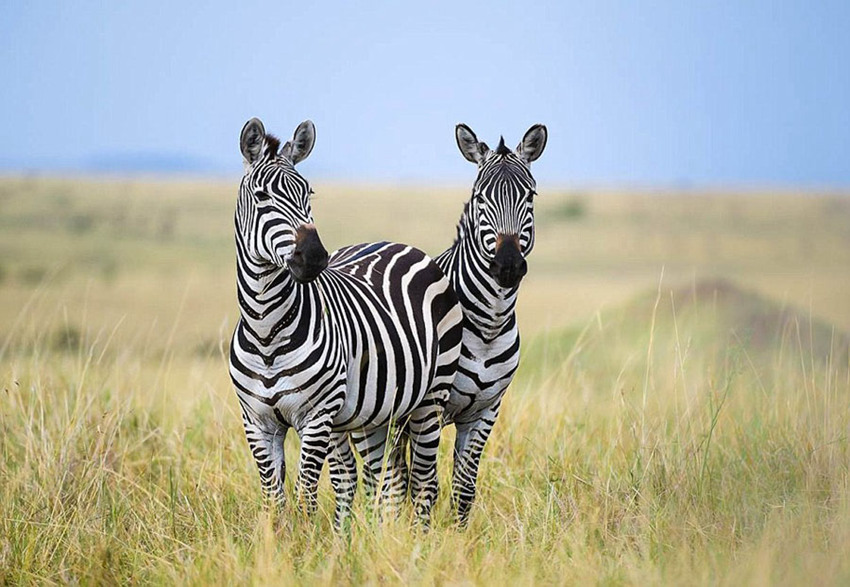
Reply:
x=508 y=267
x=310 y=257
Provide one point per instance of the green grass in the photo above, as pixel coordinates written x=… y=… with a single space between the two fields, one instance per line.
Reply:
x=689 y=433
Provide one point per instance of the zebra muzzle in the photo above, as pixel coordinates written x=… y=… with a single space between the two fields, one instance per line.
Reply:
x=310 y=257
x=508 y=267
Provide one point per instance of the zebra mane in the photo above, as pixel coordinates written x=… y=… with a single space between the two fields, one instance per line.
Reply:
x=502 y=149
x=272 y=144
x=461 y=225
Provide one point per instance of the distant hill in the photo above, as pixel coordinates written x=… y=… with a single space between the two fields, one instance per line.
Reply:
x=705 y=321
x=756 y=322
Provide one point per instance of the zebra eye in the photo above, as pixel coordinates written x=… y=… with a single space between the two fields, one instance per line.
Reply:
x=262 y=196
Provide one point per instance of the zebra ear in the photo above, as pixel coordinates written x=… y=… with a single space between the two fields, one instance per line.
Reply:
x=532 y=144
x=251 y=139
x=470 y=147
x=302 y=142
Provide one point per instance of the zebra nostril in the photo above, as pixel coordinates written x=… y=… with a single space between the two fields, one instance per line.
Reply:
x=495 y=267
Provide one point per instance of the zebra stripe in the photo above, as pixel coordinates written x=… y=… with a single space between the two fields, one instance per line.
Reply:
x=368 y=343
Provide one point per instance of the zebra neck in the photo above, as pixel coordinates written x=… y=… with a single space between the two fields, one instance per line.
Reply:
x=488 y=308
x=277 y=312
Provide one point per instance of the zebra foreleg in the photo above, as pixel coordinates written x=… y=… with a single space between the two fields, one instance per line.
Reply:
x=469 y=445
x=315 y=446
x=424 y=430
x=343 y=474
x=379 y=467
x=397 y=465
x=267 y=448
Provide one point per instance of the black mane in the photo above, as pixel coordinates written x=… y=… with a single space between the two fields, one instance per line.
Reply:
x=463 y=218
x=272 y=144
x=502 y=149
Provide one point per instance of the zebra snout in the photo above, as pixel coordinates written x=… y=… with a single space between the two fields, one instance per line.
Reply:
x=310 y=257
x=508 y=267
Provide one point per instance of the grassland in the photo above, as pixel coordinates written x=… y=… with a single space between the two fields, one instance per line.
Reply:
x=680 y=415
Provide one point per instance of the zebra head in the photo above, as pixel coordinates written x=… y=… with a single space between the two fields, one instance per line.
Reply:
x=274 y=222
x=501 y=210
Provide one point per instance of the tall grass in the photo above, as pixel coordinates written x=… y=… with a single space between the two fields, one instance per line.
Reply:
x=684 y=435
x=693 y=436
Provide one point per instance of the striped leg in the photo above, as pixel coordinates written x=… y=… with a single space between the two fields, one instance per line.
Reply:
x=424 y=429
x=315 y=446
x=397 y=473
x=343 y=474
x=469 y=444
x=267 y=448
x=379 y=466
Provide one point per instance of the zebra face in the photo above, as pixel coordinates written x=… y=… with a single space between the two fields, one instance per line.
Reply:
x=274 y=221
x=501 y=210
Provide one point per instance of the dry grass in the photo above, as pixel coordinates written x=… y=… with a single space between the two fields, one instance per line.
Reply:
x=693 y=433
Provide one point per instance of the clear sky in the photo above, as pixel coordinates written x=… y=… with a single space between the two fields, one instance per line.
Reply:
x=633 y=93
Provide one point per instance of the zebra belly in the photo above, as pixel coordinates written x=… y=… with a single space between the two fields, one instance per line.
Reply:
x=485 y=370
x=354 y=416
x=390 y=335
x=384 y=393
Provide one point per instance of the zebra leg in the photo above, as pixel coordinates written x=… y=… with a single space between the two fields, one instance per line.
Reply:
x=394 y=487
x=379 y=467
x=424 y=429
x=343 y=474
x=469 y=445
x=397 y=463
x=267 y=448
x=315 y=446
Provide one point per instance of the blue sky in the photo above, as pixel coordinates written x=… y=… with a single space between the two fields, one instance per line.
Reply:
x=633 y=93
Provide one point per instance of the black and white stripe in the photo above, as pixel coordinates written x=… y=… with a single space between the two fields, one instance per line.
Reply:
x=365 y=345
x=485 y=266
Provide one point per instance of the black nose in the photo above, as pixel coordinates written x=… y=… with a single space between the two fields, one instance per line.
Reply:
x=508 y=267
x=309 y=257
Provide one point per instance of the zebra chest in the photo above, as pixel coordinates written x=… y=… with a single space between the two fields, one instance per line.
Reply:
x=485 y=370
x=285 y=391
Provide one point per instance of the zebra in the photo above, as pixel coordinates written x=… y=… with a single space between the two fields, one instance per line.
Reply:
x=485 y=266
x=355 y=342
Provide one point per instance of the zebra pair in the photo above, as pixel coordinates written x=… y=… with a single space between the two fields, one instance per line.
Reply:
x=372 y=337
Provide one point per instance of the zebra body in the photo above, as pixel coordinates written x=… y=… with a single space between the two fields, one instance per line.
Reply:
x=385 y=373
x=352 y=344
x=485 y=266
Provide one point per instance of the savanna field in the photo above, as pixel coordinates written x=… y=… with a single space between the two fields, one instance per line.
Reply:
x=680 y=415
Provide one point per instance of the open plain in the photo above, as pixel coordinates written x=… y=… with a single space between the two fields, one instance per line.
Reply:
x=680 y=415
